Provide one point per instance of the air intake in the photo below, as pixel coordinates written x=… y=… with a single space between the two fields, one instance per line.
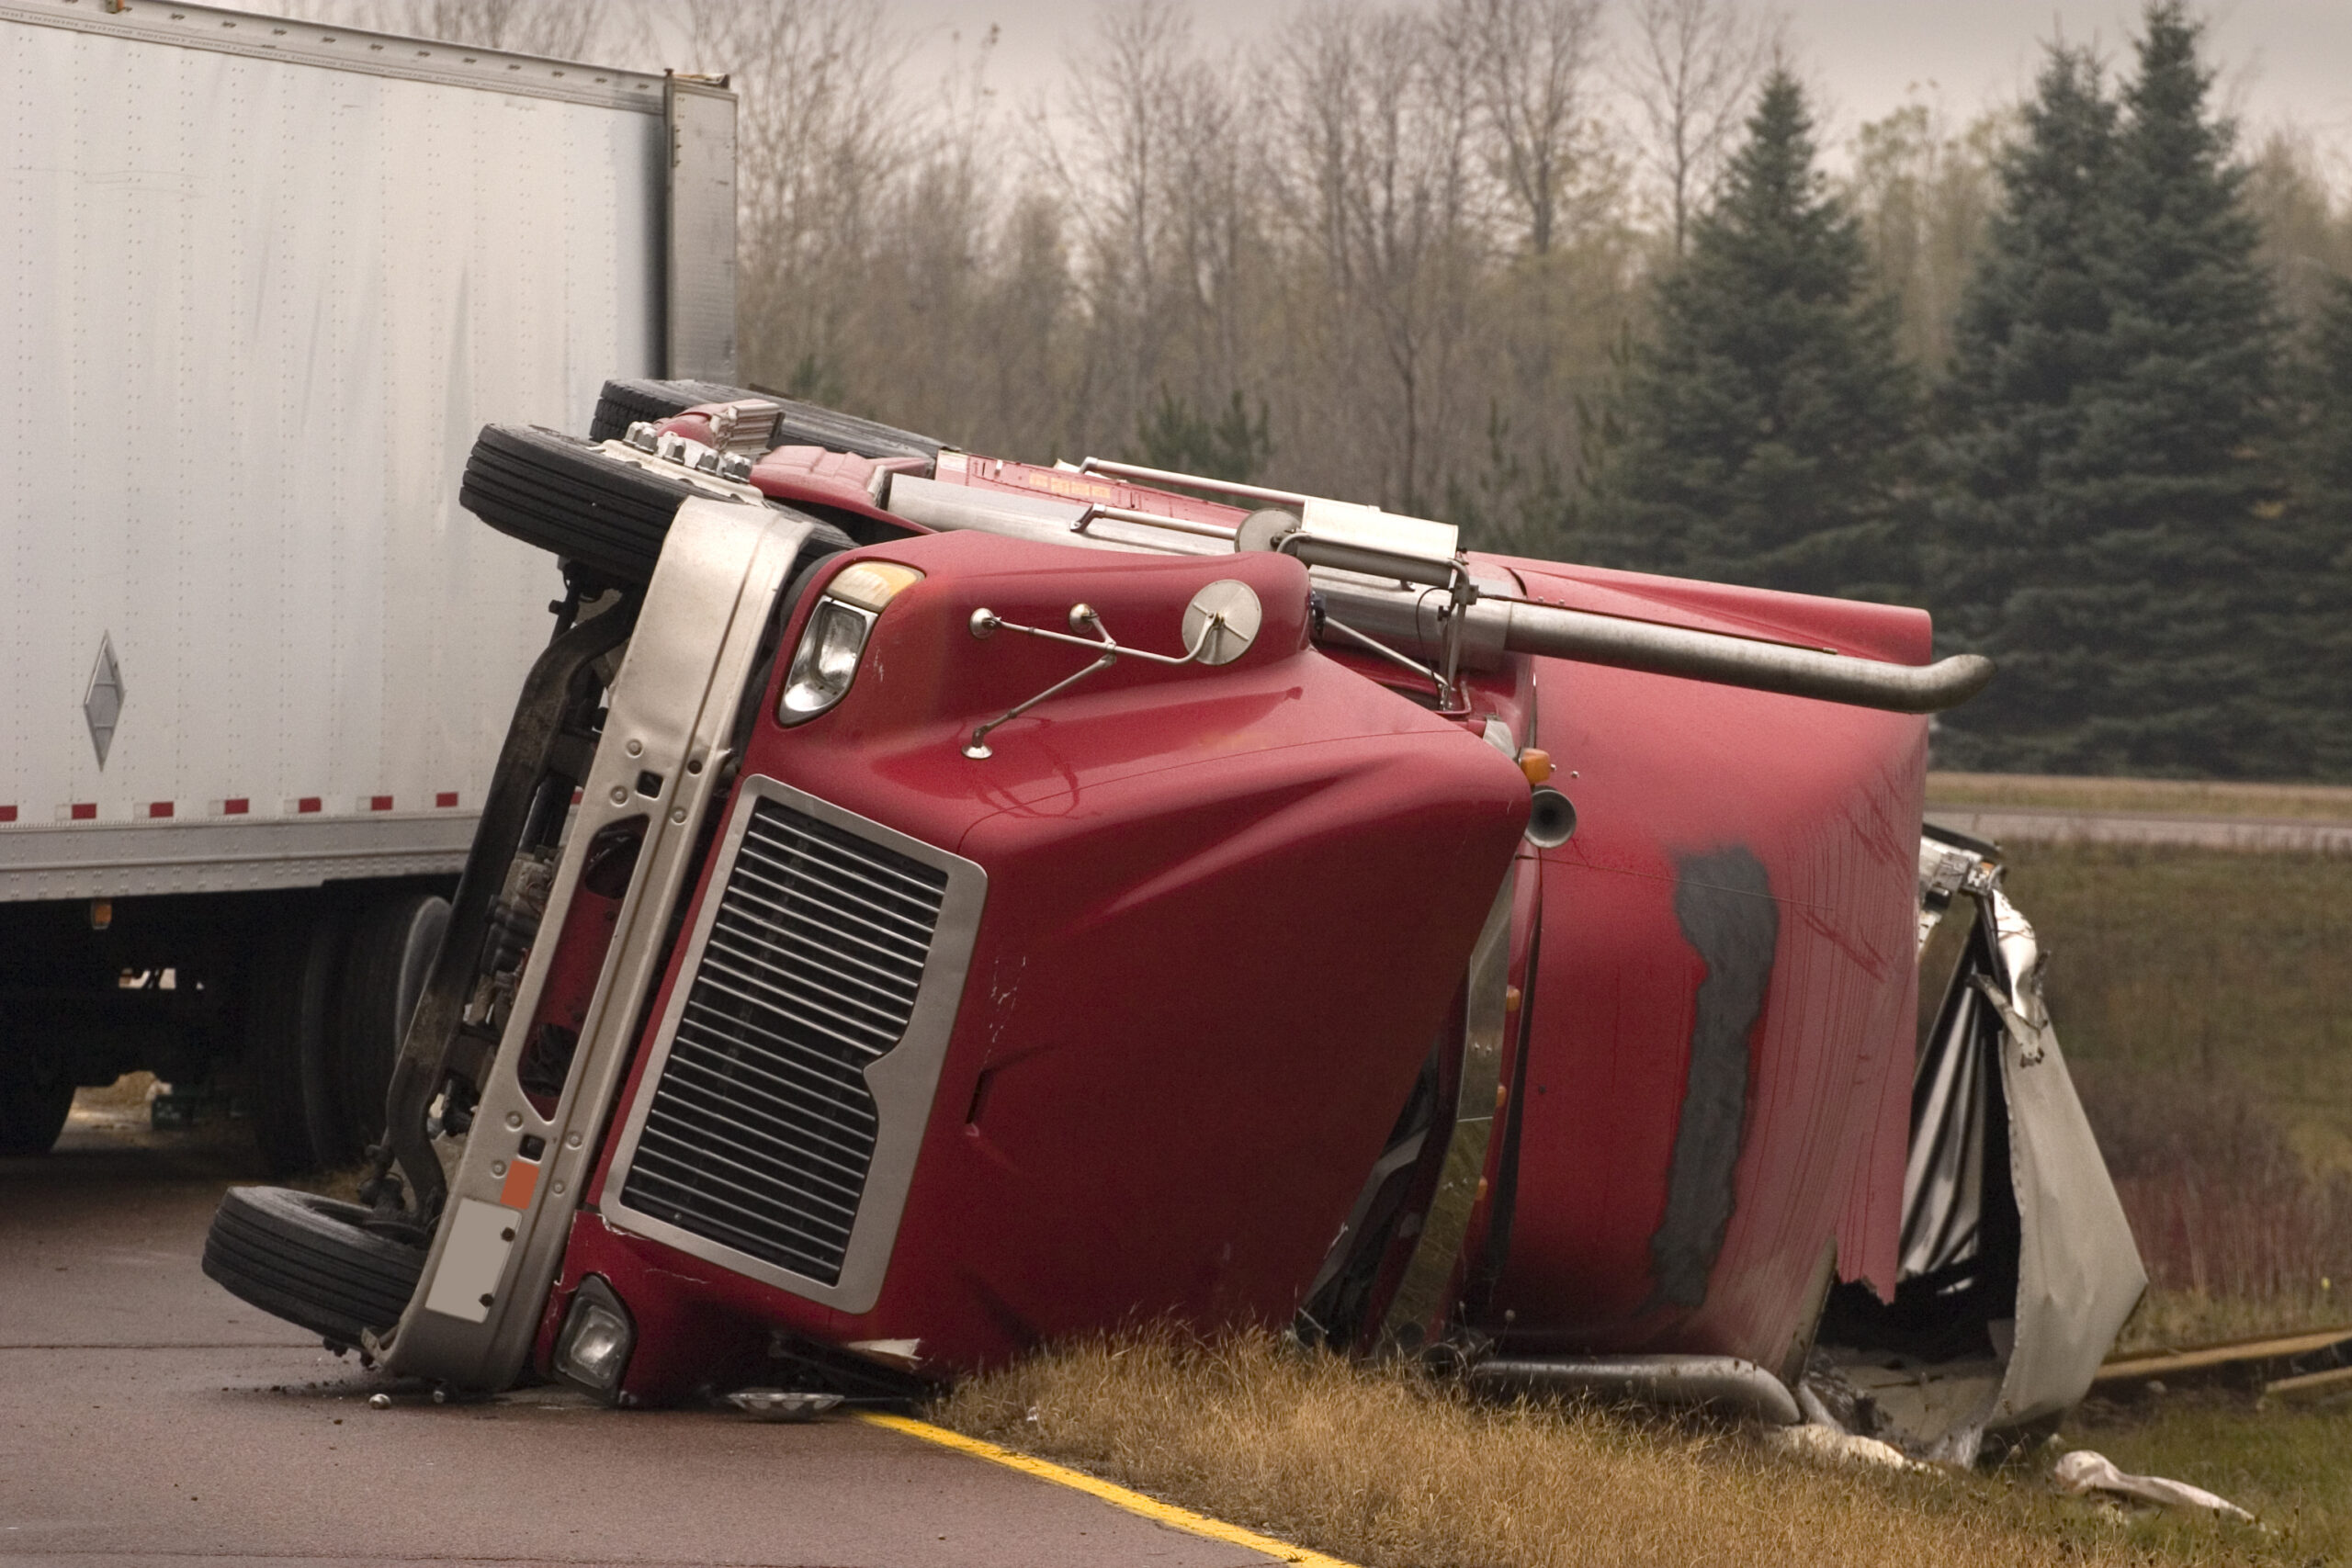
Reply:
x=761 y=1132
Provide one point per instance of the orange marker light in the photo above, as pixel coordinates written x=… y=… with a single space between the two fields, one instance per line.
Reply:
x=1536 y=764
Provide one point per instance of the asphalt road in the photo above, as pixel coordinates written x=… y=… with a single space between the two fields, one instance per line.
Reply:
x=147 y=1417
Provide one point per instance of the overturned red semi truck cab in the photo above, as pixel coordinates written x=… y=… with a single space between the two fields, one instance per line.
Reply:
x=946 y=905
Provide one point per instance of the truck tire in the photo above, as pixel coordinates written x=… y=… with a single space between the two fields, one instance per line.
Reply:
x=623 y=403
x=392 y=945
x=35 y=1099
x=290 y=1005
x=312 y=1260
x=566 y=496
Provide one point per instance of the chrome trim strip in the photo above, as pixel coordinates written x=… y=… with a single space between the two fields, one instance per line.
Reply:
x=903 y=1080
x=124 y=859
x=675 y=700
x=1421 y=1295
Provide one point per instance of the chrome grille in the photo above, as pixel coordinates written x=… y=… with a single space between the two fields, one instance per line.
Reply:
x=762 y=1127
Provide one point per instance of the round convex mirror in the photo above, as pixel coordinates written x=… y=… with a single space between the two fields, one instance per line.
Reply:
x=1228 y=613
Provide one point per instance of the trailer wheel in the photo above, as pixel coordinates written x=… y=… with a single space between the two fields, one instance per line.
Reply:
x=35 y=1099
x=289 y=998
x=314 y=1262
x=623 y=403
x=566 y=496
x=392 y=945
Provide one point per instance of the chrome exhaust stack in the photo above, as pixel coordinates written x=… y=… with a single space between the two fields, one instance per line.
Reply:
x=1402 y=586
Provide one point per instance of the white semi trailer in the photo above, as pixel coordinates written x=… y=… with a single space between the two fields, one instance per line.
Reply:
x=267 y=280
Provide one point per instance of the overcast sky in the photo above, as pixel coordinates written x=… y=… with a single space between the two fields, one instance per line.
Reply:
x=2280 y=58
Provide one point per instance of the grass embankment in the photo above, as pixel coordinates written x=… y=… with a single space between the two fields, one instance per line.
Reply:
x=2205 y=1001
x=2173 y=798
x=2204 y=998
x=1383 y=1466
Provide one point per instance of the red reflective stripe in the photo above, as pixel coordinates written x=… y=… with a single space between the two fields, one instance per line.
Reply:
x=237 y=808
x=379 y=803
x=448 y=797
x=84 y=810
x=308 y=802
x=8 y=814
x=160 y=808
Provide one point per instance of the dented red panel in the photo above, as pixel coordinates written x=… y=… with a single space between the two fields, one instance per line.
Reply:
x=1721 y=1036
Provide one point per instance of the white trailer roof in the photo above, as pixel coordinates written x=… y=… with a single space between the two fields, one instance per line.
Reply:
x=346 y=49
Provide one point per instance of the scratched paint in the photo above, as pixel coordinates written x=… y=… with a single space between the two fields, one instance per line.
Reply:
x=1722 y=901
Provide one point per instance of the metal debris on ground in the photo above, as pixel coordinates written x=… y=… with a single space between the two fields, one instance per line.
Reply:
x=782 y=1405
x=1829 y=1443
x=2084 y=1472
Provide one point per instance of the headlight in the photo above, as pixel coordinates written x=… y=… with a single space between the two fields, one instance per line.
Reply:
x=592 y=1350
x=826 y=661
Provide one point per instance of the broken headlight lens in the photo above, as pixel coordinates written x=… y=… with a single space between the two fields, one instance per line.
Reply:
x=593 y=1349
x=833 y=640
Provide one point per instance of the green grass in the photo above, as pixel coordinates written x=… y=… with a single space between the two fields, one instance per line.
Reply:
x=2306 y=803
x=2285 y=1465
x=2224 y=972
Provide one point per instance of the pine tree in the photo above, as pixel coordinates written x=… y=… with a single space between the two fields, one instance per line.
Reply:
x=1767 y=424
x=2314 y=613
x=2114 y=536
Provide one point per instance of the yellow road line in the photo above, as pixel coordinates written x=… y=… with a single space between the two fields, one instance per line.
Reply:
x=1118 y=1497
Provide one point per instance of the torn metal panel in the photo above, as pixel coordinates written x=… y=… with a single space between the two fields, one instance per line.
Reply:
x=2017 y=1265
x=1943 y=1181
x=2079 y=1273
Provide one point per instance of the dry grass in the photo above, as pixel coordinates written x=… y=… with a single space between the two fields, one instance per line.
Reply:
x=2219 y=972
x=2300 y=803
x=1387 y=1467
x=2222 y=1209
x=2183 y=1320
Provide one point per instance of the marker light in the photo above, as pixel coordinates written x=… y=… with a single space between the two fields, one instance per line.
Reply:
x=871 y=584
x=835 y=639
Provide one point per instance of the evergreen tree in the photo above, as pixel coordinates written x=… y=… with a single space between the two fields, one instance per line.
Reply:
x=1766 y=426
x=2114 y=536
x=2314 y=609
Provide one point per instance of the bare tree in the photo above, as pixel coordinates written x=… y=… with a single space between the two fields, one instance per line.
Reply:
x=1923 y=193
x=1531 y=59
x=822 y=136
x=1378 y=162
x=1125 y=93
x=568 y=29
x=1689 y=68
x=2293 y=189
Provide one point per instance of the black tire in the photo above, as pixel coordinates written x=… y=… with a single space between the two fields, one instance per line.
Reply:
x=35 y=1099
x=392 y=945
x=290 y=1007
x=566 y=496
x=563 y=495
x=311 y=1260
x=623 y=403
